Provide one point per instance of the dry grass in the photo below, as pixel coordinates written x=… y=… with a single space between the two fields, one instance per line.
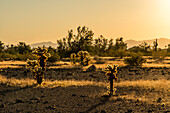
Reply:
x=17 y=82
x=135 y=87
x=158 y=85
x=14 y=64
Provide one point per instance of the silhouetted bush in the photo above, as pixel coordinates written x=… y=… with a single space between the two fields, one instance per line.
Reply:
x=54 y=57
x=135 y=60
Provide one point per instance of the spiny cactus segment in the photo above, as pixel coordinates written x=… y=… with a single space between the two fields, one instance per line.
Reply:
x=73 y=58
x=41 y=53
x=86 y=61
x=84 y=57
x=35 y=68
x=155 y=44
x=111 y=73
x=38 y=67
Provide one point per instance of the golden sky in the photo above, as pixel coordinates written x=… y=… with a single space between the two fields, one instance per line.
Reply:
x=33 y=21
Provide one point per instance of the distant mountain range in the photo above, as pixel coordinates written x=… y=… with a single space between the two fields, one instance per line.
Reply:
x=46 y=44
x=162 y=42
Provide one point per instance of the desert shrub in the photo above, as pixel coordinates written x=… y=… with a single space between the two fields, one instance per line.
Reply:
x=135 y=60
x=120 y=53
x=100 y=61
x=96 y=57
x=7 y=56
x=1 y=59
x=159 y=56
x=54 y=57
x=24 y=57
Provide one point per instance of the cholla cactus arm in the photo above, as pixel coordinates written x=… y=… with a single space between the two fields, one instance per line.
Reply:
x=112 y=69
x=73 y=58
x=73 y=55
x=81 y=56
x=86 y=54
x=86 y=60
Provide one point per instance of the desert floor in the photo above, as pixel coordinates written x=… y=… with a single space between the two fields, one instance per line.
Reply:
x=69 y=88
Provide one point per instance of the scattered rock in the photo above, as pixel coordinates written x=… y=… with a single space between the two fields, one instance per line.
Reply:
x=35 y=98
x=150 y=111
x=137 y=100
x=119 y=99
x=51 y=107
x=73 y=95
x=2 y=105
x=19 y=101
x=102 y=111
x=46 y=102
x=129 y=111
x=82 y=96
x=91 y=68
x=159 y=100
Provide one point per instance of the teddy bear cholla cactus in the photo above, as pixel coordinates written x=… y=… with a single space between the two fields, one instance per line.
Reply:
x=41 y=53
x=73 y=58
x=86 y=60
x=38 y=67
x=36 y=70
x=84 y=57
x=111 y=73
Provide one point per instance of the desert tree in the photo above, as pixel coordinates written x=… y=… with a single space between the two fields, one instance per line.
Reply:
x=74 y=43
x=1 y=47
x=22 y=48
x=100 y=45
x=145 y=47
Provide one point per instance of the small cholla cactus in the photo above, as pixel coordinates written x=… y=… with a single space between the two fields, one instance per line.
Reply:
x=84 y=57
x=38 y=67
x=111 y=73
x=81 y=55
x=41 y=53
x=36 y=70
x=73 y=58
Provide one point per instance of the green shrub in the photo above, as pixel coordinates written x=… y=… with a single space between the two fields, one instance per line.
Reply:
x=159 y=56
x=54 y=57
x=96 y=57
x=24 y=57
x=135 y=60
x=100 y=61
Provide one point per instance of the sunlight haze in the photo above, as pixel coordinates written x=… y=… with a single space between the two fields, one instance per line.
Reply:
x=33 y=21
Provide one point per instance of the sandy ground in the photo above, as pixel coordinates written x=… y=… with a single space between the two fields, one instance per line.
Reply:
x=72 y=89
